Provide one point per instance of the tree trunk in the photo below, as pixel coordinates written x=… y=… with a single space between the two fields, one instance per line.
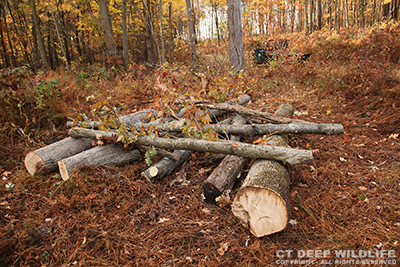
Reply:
x=113 y=154
x=125 y=55
x=319 y=19
x=305 y=17
x=236 y=49
x=222 y=179
x=42 y=50
x=286 y=155
x=162 y=60
x=107 y=28
x=263 y=202
x=171 y=38
x=3 y=44
x=191 y=31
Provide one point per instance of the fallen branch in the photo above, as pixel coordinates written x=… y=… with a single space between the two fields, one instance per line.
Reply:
x=286 y=155
x=143 y=116
x=254 y=129
x=273 y=118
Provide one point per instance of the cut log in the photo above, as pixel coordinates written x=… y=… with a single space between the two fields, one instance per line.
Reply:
x=273 y=118
x=113 y=154
x=286 y=155
x=166 y=166
x=45 y=159
x=262 y=203
x=223 y=177
x=142 y=116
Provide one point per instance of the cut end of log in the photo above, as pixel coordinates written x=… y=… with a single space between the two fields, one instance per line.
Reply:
x=261 y=210
x=63 y=170
x=33 y=163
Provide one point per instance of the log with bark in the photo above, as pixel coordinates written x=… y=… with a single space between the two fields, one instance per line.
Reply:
x=222 y=179
x=45 y=159
x=262 y=204
x=143 y=116
x=113 y=154
x=286 y=155
x=256 y=114
x=254 y=129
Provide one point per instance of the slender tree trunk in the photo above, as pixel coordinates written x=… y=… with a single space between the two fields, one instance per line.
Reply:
x=3 y=44
x=39 y=38
x=162 y=61
x=125 y=55
x=107 y=28
x=362 y=18
x=319 y=19
x=312 y=4
x=346 y=13
x=192 y=43
x=305 y=17
x=171 y=32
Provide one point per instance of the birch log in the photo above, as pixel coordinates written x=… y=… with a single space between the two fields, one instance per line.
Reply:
x=286 y=155
x=224 y=176
x=262 y=204
x=113 y=154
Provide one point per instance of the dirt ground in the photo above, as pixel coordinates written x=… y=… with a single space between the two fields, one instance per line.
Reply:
x=110 y=216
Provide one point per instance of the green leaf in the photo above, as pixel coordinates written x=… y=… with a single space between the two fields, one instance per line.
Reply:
x=149 y=155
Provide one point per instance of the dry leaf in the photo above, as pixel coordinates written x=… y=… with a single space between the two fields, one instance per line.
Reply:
x=223 y=200
x=223 y=247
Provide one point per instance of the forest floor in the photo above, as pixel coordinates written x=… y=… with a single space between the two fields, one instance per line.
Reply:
x=349 y=199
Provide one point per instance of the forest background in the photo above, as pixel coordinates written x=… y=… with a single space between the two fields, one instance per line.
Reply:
x=59 y=59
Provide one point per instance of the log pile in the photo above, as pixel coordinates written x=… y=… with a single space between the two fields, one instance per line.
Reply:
x=262 y=204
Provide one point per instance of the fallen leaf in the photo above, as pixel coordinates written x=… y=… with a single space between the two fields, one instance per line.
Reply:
x=223 y=247
x=223 y=200
x=362 y=188
x=393 y=136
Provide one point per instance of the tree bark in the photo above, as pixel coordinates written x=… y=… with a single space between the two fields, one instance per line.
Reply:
x=253 y=129
x=42 y=50
x=286 y=155
x=273 y=118
x=191 y=32
x=236 y=48
x=113 y=154
x=107 y=27
x=140 y=116
x=45 y=159
x=262 y=203
x=222 y=179
x=125 y=55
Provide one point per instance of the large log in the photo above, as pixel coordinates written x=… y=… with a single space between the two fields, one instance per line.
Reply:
x=222 y=179
x=286 y=155
x=113 y=154
x=45 y=159
x=262 y=204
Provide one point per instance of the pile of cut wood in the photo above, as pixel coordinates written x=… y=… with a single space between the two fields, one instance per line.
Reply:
x=262 y=203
